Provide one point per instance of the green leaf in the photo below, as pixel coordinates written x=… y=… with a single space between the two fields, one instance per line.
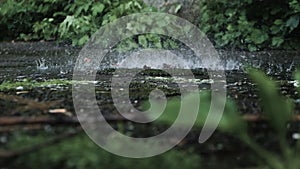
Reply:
x=231 y=121
x=59 y=14
x=170 y=44
x=97 y=8
x=137 y=4
x=143 y=41
x=252 y=48
x=297 y=77
x=83 y=40
x=275 y=107
x=65 y=25
x=275 y=29
x=258 y=36
x=178 y=7
x=278 y=22
x=230 y=12
x=277 y=41
x=293 y=22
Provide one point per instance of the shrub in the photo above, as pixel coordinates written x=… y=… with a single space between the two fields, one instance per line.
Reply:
x=60 y=19
x=247 y=24
x=251 y=24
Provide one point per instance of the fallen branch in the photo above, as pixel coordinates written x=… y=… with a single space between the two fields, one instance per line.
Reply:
x=29 y=127
x=37 y=120
x=46 y=119
x=67 y=120
x=73 y=120
x=257 y=118
x=28 y=104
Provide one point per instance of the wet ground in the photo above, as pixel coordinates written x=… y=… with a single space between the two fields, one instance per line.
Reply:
x=43 y=108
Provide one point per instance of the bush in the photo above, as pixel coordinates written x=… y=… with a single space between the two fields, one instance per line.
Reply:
x=252 y=24
x=247 y=24
x=60 y=19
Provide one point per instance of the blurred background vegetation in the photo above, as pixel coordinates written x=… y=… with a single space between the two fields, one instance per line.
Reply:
x=246 y=24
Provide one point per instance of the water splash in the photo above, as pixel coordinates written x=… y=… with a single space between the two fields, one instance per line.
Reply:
x=163 y=59
x=154 y=59
x=41 y=64
x=273 y=62
x=63 y=67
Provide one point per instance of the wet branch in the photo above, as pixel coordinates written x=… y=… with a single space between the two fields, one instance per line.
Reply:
x=257 y=118
x=71 y=120
x=37 y=120
x=48 y=119
x=25 y=104
x=10 y=121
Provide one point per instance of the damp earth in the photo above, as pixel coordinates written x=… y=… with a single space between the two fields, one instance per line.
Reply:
x=36 y=95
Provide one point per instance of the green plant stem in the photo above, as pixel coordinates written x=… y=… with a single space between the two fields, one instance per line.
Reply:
x=287 y=153
x=272 y=160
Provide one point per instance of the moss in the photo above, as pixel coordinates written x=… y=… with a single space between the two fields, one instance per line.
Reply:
x=27 y=84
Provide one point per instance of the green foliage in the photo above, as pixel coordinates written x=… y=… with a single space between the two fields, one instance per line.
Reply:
x=80 y=153
x=276 y=108
x=247 y=24
x=228 y=123
x=66 y=20
x=251 y=24
x=75 y=21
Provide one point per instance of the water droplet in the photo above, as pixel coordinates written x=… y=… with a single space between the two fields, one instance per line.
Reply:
x=296 y=136
x=20 y=88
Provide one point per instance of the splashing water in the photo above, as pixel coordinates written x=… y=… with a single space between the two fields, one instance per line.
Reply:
x=271 y=62
x=41 y=64
x=163 y=59
x=155 y=59
x=46 y=65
